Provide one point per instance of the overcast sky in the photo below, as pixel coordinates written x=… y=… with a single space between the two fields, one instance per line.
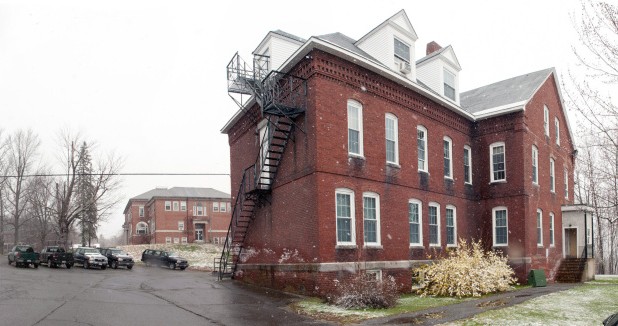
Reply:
x=146 y=79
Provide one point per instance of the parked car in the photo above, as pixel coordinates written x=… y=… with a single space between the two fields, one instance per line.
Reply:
x=164 y=258
x=89 y=257
x=55 y=256
x=24 y=255
x=117 y=257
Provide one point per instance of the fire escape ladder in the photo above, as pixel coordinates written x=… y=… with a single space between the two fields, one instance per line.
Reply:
x=272 y=147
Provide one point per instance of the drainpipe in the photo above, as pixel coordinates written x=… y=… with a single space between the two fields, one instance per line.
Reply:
x=585 y=235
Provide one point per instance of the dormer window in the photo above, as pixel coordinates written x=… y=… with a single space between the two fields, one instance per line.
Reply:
x=449 y=85
x=402 y=51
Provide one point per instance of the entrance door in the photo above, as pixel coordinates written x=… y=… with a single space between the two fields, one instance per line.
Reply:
x=570 y=243
x=199 y=235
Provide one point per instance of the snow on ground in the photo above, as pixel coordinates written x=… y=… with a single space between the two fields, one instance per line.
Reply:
x=200 y=256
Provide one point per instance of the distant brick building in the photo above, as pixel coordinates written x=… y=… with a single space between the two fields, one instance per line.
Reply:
x=177 y=215
x=354 y=156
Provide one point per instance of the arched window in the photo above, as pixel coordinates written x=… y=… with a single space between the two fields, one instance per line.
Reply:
x=141 y=228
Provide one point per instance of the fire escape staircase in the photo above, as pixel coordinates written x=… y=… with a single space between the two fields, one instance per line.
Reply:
x=281 y=98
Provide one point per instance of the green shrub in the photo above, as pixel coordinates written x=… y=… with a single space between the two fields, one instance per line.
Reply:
x=467 y=271
x=362 y=291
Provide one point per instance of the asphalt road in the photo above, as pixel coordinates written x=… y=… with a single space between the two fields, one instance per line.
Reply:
x=142 y=296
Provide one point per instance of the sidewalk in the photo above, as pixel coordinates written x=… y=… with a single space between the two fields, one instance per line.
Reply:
x=467 y=309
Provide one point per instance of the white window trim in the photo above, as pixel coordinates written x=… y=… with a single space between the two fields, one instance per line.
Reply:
x=168 y=239
x=420 y=222
x=183 y=206
x=168 y=204
x=566 y=183
x=425 y=156
x=535 y=164
x=358 y=106
x=410 y=49
x=546 y=120
x=552 y=230
x=539 y=225
x=437 y=206
x=176 y=206
x=141 y=211
x=450 y=158
x=491 y=161
x=445 y=71
x=493 y=225
x=215 y=207
x=181 y=225
x=396 y=136
x=469 y=149
x=454 y=225
x=222 y=207
x=144 y=226
x=352 y=241
x=378 y=238
x=557 y=125
x=552 y=175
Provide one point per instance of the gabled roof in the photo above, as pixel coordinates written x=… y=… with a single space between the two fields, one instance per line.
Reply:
x=503 y=96
x=442 y=52
x=179 y=192
x=395 y=20
x=280 y=33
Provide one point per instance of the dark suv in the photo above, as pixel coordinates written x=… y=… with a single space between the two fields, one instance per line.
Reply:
x=89 y=257
x=117 y=257
x=164 y=258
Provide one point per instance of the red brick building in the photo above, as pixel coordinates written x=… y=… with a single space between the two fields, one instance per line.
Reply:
x=354 y=156
x=177 y=215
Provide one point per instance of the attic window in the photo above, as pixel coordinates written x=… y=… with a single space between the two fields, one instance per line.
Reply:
x=402 y=51
x=449 y=85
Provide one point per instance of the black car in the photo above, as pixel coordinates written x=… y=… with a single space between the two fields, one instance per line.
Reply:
x=117 y=257
x=89 y=257
x=164 y=258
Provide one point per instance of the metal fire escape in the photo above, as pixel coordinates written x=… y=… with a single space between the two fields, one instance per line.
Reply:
x=281 y=98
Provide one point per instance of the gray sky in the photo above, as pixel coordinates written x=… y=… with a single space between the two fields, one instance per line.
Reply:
x=146 y=79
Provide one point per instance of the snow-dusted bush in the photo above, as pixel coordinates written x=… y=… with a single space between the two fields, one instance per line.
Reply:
x=362 y=291
x=467 y=271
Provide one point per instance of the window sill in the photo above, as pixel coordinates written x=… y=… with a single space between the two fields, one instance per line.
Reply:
x=417 y=246
x=393 y=165
x=373 y=246
x=498 y=182
x=539 y=246
x=536 y=184
x=552 y=246
x=423 y=171
x=350 y=246
x=448 y=178
x=451 y=246
x=500 y=245
x=435 y=246
x=467 y=183
x=356 y=156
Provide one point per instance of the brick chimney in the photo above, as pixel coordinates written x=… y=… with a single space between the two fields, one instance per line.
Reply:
x=432 y=47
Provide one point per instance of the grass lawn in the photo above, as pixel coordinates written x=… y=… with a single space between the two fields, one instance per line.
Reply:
x=588 y=304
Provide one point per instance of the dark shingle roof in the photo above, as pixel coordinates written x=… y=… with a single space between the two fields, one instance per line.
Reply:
x=509 y=91
x=345 y=42
x=182 y=192
x=290 y=36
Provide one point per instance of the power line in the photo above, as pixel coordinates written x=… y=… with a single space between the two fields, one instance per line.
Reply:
x=113 y=174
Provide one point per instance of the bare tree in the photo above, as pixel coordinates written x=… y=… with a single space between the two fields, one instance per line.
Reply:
x=22 y=151
x=597 y=165
x=41 y=202
x=3 y=172
x=69 y=208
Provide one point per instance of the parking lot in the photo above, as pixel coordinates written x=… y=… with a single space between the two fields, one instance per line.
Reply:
x=141 y=296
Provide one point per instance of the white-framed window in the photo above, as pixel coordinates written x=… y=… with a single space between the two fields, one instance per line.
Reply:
x=176 y=240
x=557 y=124
x=451 y=226
x=141 y=211
x=198 y=209
x=448 y=160
x=355 y=128
x=551 y=229
x=498 y=162
x=546 y=120
x=434 y=224
x=375 y=274
x=449 y=85
x=535 y=165
x=500 y=223
x=552 y=176
x=589 y=234
x=402 y=50
x=566 y=183
x=168 y=239
x=392 y=151
x=539 y=228
x=183 y=240
x=371 y=218
x=344 y=203
x=467 y=164
x=215 y=206
x=222 y=207
x=176 y=206
x=421 y=140
x=415 y=219
x=183 y=206
x=168 y=205
x=141 y=228
x=181 y=225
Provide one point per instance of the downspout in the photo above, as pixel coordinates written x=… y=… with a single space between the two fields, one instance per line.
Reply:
x=585 y=235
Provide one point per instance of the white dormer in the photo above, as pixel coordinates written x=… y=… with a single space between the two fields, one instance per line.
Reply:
x=392 y=44
x=439 y=70
x=275 y=49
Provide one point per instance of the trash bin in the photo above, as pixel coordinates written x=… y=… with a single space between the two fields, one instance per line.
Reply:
x=536 y=278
